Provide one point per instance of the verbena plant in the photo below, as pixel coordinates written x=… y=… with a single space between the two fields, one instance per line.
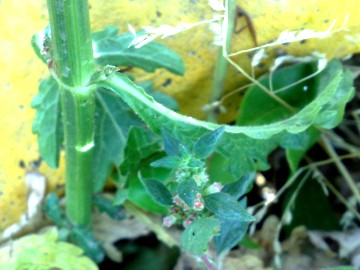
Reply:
x=104 y=119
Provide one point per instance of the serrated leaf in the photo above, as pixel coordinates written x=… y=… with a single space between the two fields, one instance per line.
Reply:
x=113 y=119
x=240 y=187
x=226 y=207
x=43 y=251
x=85 y=239
x=187 y=191
x=207 y=144
x=162 y=98
x=54 y=212
x=110 y=48
x=141 y=144
x=169 y=162
x=247 y=147
x=157 y=191
x=107 y=206
x=196 y=236
x=231 y=233
x=47 y=123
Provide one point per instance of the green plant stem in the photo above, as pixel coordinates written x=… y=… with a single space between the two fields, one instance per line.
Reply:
x=342 y=169
x=74 y=65
x=161 y=233
x=221 y=62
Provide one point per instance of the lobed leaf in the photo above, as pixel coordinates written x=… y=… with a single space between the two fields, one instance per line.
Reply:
x=110 y=48
x=107 y=206
x=54 y=212
x=246 y=146
x=113 y=120
x=84 y=238
x=141 y=144
x=47 y=123
x=43 y=251
x=196 y=236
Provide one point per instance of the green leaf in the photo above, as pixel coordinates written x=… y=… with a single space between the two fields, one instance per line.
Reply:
x=312 y=208
x=226 y=207
x=258 y=107
x=195 y=163
x=39 y=40
x=157 y=191
x=110 y=48
x=139 y=196
x=169 y=162
x=196 y=236
x=207 y=143
x=120 y=196
x=113 y=119
x=294 y=156
x=107 y=206
x=240 y=187
x=85 y=239
x=247 y=147
x=47 y=123
x=54 y=212
x=340 y=268
x=141 y=144
x=248 y=243
x=43 y=251
x=162 y=98
x=218 y=169
x=173 y=147
x=187 y=191
x=231 y=233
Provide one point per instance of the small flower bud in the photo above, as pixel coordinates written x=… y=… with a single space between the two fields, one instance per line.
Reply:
x=178 y=201
x=214 y=188
x=187 y=222
x=198 y=203
x=168 y=221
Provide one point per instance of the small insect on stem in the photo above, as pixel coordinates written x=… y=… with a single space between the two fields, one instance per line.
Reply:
x=46 y=52
x=249 y=23
x=126 y=69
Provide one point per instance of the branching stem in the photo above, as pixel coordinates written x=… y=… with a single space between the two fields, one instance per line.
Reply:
x=74 y=65
x=342 y=169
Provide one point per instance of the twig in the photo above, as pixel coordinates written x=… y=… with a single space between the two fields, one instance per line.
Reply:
x=342 y=169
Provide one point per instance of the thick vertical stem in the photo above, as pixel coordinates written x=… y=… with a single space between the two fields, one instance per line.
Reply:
x=74 y=65
x=221 y=62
